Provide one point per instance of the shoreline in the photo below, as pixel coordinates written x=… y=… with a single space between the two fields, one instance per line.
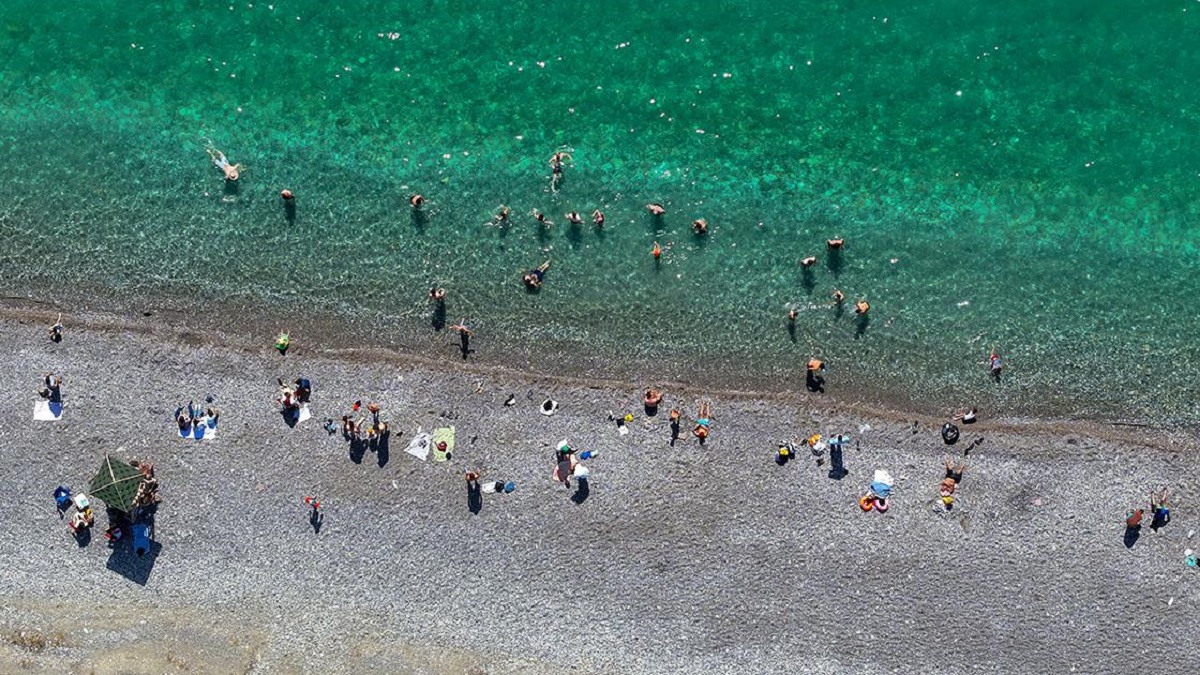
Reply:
x=682 y=558
x=165 y=324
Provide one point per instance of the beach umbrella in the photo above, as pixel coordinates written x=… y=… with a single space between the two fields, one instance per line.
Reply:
x=116 y=484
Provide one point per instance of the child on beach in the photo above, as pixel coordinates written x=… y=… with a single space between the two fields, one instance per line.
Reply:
x=56 y=331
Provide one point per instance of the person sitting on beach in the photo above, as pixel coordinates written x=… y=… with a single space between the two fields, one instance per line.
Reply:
x=287 y=397
x=53 y=387
x=184 y=421
x=416 y=201
x=651 y=399
x=574 y=218
x=303 y=388
x=232 y=171
x=533 y=278
x=703 y=419
x=598 y=218
x=835 y=243
x=968 y=417
x=656 y=209
x=700 y=226
x=56 y=331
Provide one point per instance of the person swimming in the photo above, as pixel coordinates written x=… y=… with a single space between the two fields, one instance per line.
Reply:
x=808 y=262
x=416 y=201
x=598 y=218
x=574 y=218
x=656 y=251
x=700 y=226
x=437 y=294
x=835 y=243
x=533 y=278
x=541 y=218
x=501 y=216
x=656 y=209
x=232 y=171
x=862 y=307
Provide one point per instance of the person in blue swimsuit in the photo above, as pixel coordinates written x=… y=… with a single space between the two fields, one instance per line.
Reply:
x=533 y=278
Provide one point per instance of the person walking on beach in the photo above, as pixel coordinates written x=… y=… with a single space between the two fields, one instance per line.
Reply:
x=1160 y=513
x=464 y=337
x=232 y=171
x=814 y=376
x=675 y=415
x=56 y=331
x=315 y=517
x=703 y=420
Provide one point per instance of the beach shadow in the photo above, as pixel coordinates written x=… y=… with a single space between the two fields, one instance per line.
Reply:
x=837 y=466
x=438 y=318
x=839 y=309
x=650 y=411
x=291 y=417
x=464 y=345
x=358 y=449
x=807 y=280
x=1131 y=535
x=791 y=329
x=124 y=561
x=420 y=218
x=833 y=260
x=861 y=322
x=316 y=519
x=83 y=537
x=575 y=235
x=474 y=497
x=380 y=445
x=543 y=234
x=674 y=432
x=815 y=383
x=582 y=491
x=231 y=188
x=1159 y=521
x=289 y=211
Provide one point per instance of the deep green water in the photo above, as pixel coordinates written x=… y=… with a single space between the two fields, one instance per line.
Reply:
x=1033 y=169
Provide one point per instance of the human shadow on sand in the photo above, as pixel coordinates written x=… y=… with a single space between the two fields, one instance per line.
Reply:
x=837 y=466
x=474 y=497
x=1131 y=535
x=582 y=491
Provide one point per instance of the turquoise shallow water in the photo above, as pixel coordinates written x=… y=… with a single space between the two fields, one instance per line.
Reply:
x=1031 y=170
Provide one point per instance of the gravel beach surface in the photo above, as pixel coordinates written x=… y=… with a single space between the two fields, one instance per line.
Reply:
x=684 y=558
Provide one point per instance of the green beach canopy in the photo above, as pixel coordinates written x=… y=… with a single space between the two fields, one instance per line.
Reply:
x=116 y=484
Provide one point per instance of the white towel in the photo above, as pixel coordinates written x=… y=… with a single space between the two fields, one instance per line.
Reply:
x=419 y=446
x=45 y=411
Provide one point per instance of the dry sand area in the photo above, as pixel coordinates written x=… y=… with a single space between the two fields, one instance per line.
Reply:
x=683 y=559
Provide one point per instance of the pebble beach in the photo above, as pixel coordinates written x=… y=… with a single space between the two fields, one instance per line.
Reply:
x=676 y=559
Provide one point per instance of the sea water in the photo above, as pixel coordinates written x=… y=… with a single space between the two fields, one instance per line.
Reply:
x=1012 y=176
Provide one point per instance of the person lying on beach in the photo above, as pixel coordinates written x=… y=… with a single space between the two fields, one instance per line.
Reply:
x=533 y=278
x=56 y=331
x=951 y=480
x=703 y=419
x=232 y=171
x=1160 y=513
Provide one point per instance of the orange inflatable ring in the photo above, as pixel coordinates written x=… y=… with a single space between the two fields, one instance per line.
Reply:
x=865 y=503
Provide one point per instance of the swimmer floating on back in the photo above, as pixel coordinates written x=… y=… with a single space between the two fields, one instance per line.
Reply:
x=232 y=171
x=533 y=278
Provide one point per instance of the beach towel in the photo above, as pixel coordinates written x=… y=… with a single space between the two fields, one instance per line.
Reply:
x=305 y=413
x=419 y=446
x=205 y=430
x=443 y=434
x=882 y=485
x=47 y=411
